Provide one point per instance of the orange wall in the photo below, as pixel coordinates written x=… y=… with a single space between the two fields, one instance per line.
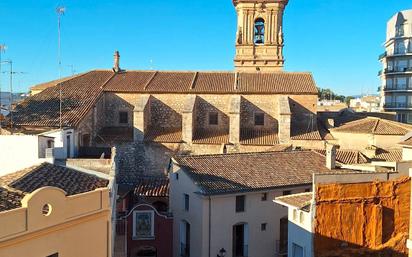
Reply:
x=365 y=219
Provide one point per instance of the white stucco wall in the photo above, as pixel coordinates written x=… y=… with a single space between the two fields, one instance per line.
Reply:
x=18 y=152
x=223 y=217
x=61 y=143
x=300 y=231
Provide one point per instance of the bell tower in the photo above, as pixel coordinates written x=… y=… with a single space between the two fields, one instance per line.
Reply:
x=259 y=38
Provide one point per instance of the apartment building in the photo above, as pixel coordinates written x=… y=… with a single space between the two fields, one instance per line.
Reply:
x=396 y=75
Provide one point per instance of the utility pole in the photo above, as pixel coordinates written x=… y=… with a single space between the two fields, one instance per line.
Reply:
x=2 y=50
x=60 y=11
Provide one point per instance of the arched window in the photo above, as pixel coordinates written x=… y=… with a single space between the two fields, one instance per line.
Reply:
x=259 y=28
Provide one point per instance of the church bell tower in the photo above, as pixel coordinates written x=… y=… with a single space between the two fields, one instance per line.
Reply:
x=259 y=39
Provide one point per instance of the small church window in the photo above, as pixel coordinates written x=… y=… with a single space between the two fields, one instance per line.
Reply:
x=259 y=38
x=259 y=119
x=213 y=118
x=123 y=118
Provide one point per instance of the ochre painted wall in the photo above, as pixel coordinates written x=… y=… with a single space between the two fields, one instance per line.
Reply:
x=364 y=219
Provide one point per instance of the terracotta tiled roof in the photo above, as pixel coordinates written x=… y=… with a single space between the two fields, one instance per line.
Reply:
x=258 y=137
x=305 y=135
x=300 y=201
x=375 y=126
x=152 y=187
x=212 y=82
x=114 y=135
x=79 y=94
x=233 y=173
x=14 y=186
x=388 y=155
x=347 y=156
x=164 y=135
x=211 y=137
x=407 y=141
x=53 y=83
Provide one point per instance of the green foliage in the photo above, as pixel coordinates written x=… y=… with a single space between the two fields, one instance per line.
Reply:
x=328 y=94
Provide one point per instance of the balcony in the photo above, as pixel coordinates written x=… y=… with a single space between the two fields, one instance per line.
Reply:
x=397 y=106
x=395 y=70
x=396 y=53
x=398 y=88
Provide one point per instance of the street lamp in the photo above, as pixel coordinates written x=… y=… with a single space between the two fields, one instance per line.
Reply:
x=222 y=253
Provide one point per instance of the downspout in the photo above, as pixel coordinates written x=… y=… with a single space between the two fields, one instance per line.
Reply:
x=210 y=225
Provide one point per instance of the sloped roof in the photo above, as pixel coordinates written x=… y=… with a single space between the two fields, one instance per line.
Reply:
x=14 y=186
x=152 y=187
x=301 y=201
x=393 y=155
x=78 y=95
x=234 y=173
x=374 y=126
x=212 y=82
x=347 y=156
x=53 y=83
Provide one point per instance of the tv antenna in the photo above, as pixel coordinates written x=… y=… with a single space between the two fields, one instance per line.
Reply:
x=3 y=48
x=60 y=12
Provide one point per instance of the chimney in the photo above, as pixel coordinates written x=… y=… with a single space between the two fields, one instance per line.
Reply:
x=116 y=65
x=330 y=156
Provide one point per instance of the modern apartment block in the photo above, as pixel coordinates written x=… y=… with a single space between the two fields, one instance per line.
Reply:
x=396 y=75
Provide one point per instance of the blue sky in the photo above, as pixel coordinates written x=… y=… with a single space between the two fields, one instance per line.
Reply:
x=337 y=40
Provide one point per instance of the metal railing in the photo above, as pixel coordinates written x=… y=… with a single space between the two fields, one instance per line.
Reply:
x=397 y=105
x=394 y=70
x=397 y=87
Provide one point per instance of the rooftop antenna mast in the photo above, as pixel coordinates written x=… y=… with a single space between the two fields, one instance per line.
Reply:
x=60 y=12
x=2 y=50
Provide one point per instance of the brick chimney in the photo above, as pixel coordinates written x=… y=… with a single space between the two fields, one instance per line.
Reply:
x=330 y=156
x=116 y=65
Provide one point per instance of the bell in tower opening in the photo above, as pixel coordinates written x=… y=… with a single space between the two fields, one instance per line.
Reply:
x=259 y=31
x=259 y=41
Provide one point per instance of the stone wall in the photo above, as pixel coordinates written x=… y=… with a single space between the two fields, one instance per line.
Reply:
x=267 y=104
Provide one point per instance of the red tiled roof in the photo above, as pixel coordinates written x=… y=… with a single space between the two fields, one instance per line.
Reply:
x=347 y=156
x=53 y=83
x=211 y=137
x=152 y=187
x=407 y=141
x=232 y=173
x=302 y=135
x=164 y=135
x=388 y=155
x=212 y=82
x=14 y=186
x=300 y=201
x=258 y=137
x=79 y=94
x=114 y=135
x=375 y=126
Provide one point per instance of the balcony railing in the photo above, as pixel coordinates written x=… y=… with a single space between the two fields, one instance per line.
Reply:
x=395 y=70
x=395 y=53
x=397 y=105
x=397 y=88
x=383 y=55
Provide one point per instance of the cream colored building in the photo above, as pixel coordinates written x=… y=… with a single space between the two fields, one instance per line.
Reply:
x=50 y=211
x=396 y=75
x=225 y=201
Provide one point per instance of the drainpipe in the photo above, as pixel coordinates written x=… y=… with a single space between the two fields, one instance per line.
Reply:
x=210 y=225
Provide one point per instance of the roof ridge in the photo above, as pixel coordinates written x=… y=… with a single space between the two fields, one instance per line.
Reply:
x=234 y=154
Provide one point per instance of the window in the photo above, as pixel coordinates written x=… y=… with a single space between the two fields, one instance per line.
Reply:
x=295 y=214
x=50 y=143
x=213 y=118
x=53 y=255
x=287 y=192
x=301 y=217
x=123 y=118
x=264 y=196
x=263 y=226
x=143 y=225
x=186 y=197
x=177 y=176
x=400 y=31
x=184 y=239
x=259 y=119
x=307 y=190
x=259 y=30
x=297 y=250
x=240 y=203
